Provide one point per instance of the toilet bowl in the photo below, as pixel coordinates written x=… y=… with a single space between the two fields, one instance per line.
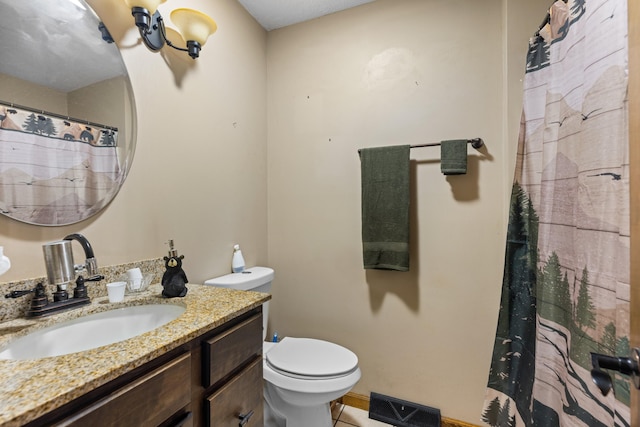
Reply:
x=301 y=375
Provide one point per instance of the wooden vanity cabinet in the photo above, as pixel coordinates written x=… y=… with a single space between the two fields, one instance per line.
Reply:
x=148 y=400
x=214 y=380
x=232 y=366
x=238 y=402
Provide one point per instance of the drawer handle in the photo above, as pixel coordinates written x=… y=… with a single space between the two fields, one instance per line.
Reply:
x=244 y=418
x=183 y=420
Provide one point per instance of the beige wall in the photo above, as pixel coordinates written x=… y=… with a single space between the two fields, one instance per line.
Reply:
x=210 y=161
x=102 y=103
x=396 y=72
x=22 y=92
x=200 y=165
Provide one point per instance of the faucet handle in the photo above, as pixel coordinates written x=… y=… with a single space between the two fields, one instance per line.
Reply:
x=80 y=291
x=18 y=294
x=40 y=299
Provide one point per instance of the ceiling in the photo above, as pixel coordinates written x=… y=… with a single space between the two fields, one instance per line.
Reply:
x=273 y=14
x=30 y=37
x=55 y=44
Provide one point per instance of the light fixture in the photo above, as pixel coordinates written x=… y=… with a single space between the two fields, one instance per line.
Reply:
x=195 y=27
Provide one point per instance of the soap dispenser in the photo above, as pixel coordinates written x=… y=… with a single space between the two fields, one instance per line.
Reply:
x=237 y=261
x=5 y=263
x=174 y=279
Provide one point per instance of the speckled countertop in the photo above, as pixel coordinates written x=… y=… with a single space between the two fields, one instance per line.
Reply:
x=31 y=388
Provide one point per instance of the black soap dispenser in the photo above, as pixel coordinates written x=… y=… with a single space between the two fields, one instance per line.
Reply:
x=174 y=279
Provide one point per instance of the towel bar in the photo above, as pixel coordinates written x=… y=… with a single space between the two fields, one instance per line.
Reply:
x=475 y=143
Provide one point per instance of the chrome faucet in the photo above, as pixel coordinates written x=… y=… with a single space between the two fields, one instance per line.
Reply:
x=61 y=270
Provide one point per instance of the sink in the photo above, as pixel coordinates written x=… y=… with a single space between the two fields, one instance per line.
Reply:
x=91 y=331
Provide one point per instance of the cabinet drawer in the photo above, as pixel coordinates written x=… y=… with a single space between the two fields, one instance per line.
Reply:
x=147 y=401
x=228 y=350
x=241 y=395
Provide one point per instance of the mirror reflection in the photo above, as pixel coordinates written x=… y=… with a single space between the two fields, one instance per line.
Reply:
x=67 y=114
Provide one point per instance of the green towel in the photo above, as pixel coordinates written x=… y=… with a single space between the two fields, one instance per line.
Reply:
x=453 y=157
x=385 y=207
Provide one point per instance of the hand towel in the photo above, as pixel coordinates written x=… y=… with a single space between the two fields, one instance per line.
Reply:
x=385 y=207
x=453 y=157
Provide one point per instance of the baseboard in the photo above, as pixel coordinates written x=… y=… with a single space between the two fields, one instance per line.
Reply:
x=355 y=400
x=362 y=402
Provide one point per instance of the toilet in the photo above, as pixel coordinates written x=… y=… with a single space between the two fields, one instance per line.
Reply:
x=301 y=375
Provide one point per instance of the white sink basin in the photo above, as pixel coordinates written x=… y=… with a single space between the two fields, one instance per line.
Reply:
x=91 y=331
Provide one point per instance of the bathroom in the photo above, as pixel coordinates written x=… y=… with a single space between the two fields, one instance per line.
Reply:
x=256 y=143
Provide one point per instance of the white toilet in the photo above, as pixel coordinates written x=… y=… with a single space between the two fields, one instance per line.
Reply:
x=301 y=375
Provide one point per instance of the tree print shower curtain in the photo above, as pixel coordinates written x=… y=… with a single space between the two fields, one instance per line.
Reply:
x=55 y=170
x=565 y=290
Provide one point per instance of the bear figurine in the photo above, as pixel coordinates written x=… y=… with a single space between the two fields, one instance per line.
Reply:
x=174 y=278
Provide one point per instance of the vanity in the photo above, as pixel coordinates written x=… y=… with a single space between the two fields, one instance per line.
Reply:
x=202 y=369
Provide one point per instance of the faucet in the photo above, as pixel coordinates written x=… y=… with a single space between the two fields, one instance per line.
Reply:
x=90 y=263
x=61 y=270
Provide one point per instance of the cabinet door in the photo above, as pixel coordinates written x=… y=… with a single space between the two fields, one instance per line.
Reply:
x=147 y=401
x=230 y=349
x=237 y=399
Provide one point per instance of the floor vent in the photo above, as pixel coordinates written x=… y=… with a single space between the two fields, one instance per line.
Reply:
x=401 y=413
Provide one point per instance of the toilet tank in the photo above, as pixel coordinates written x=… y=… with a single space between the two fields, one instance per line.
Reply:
x=256 y=279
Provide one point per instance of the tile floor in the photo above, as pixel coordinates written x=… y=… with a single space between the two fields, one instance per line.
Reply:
x=348 y=416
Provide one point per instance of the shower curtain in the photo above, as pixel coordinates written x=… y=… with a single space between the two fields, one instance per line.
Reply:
x=565 y=290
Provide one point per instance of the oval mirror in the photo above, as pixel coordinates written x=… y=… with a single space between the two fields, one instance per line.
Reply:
x=67 y=112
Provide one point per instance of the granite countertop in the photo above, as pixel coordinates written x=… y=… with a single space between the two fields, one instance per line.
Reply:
x=31 y=388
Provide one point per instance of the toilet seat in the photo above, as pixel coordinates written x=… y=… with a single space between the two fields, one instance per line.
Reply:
x=306 y=358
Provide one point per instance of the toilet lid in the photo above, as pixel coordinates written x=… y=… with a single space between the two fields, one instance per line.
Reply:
x=311 y=358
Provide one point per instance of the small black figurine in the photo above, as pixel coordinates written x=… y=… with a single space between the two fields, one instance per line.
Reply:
x=174 y=279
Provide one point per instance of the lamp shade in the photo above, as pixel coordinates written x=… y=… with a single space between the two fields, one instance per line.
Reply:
x=193 y=25
x=150 y=5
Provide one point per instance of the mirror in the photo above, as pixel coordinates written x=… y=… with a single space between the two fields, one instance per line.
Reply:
x=67 y=113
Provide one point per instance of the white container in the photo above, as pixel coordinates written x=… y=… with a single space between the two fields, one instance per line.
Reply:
x=115 y=290
x=237 y=261
x=139 y=285
x=134 y=277
x=5 y=263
